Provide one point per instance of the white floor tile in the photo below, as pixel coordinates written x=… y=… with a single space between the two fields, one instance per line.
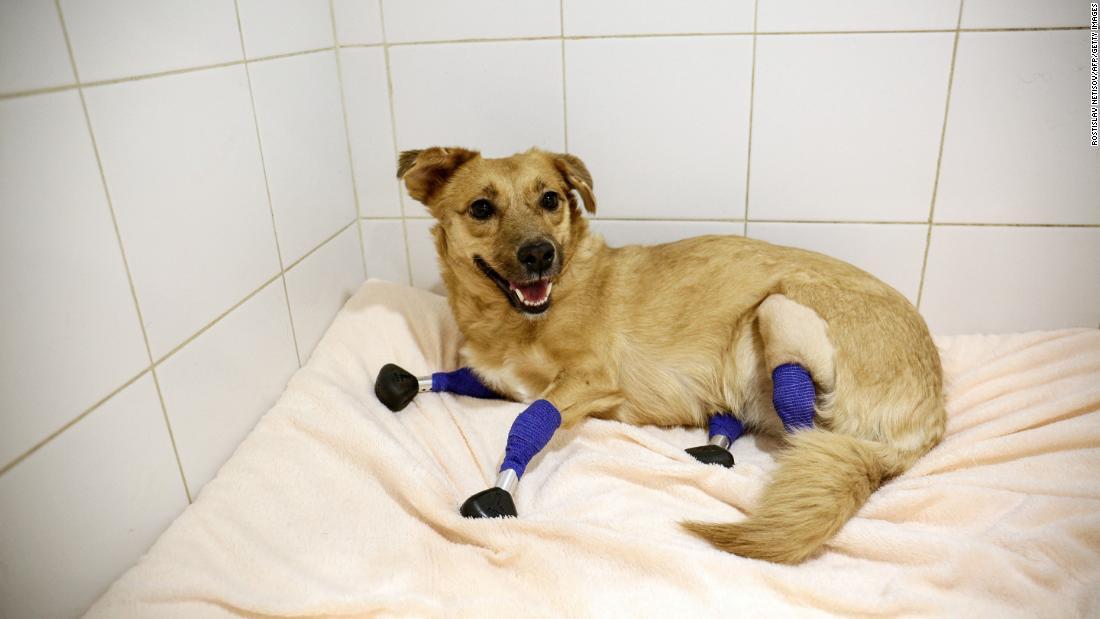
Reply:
x=305 y=149
x=442 y=20
x=358 y=21
x=284 y=26
x=662 y=123
x=499 y=98
x=71 y=333
x=854 y=139
x=1002 y=279
x=32 y=47
x=812 y=16
x=371 y=132
x=319 y=285
x=384 y=244
x=194 y=217
x=608 y=17
x=219 y=385
x=121 y=38
x=619 y=233
x=1016 y=149
x=423 y=258
x=81 y=510
x=1024 y=13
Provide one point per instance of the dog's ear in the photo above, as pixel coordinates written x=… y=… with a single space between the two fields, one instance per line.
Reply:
x=578 y=178
x=425 y=171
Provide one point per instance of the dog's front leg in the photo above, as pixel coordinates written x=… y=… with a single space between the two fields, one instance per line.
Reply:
x=569 y=399
x=396 y=387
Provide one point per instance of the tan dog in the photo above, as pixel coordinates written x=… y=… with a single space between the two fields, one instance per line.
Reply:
x=670 y=334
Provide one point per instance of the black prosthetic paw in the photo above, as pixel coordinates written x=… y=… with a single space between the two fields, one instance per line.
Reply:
x=491 y=503
x=395 y=387
x=712 y=454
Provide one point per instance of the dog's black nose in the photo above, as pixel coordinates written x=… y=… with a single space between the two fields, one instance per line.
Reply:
x=536 y=257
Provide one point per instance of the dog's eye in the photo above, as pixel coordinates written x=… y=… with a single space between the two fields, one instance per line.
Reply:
x=481 y=209
x=549 y=200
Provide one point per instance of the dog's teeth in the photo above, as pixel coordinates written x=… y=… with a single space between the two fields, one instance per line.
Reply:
x=549 y=287
x=519 y=295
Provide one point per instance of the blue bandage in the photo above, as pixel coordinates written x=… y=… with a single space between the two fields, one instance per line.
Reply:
x=462 y=381
x=530 y=432
x=725 y=424
x=793 y=396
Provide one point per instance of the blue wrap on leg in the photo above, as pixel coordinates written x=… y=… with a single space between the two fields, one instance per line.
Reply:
x=530 y=432
x=462 y=381
x=793 y=396
x=727 y=425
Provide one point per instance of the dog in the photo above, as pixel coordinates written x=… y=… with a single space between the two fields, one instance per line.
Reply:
x=670 y=334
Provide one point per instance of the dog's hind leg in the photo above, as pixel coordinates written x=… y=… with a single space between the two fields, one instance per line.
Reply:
x=724 y=429
x=824 y=477
x=799 y=358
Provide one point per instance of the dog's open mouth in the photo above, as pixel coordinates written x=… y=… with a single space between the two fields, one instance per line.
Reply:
x=530 y=297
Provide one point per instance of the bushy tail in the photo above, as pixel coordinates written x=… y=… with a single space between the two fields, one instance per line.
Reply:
x=822 y=480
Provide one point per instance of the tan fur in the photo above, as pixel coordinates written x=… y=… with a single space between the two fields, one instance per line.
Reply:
x=672 y=333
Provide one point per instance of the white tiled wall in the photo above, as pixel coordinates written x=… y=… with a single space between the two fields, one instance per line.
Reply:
x=190 y=190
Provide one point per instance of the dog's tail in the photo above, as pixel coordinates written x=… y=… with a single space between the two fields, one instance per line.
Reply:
x=822 y=480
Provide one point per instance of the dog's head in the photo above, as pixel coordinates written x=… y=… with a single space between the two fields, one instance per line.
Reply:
x=513 y=221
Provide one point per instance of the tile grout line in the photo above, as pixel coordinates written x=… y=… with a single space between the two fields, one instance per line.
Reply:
x=209 y=325
x=564 y=91
x=316 y=248
x=156 y=363
x=145 y=76
x=84 y=413
x=752 y=102
x=151 y=368
x=347 y=136
x=939 y=158
x=947 y=224
x=248 y=296
x=393 y=137
x=729 y=33
x=857 y=222
x=267 y=183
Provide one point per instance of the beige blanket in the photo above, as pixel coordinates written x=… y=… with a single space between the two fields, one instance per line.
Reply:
x=335 y=506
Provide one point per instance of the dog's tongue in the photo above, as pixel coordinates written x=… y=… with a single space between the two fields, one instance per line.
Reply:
x=534 y=292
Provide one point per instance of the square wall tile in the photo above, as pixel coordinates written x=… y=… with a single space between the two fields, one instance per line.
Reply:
x=619 y=233
x=32 y=47
x=662 y=124
x=815 y=16
x=828 y=144
x=1001 y=279
x=443 y=20
x=371 y=132
x=891 y=252
x=67 y=312
x=423 y=260
x=1024 y=13
x=1017 y=146
x=384 y=245
x=283 y=26
x=194 y=218
x=305 y=149
x=81 y=510
x=319 y=285
x=122 y=38
x=500 y=98
x=603 y=17
x=211 y=415
x=358 y=21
